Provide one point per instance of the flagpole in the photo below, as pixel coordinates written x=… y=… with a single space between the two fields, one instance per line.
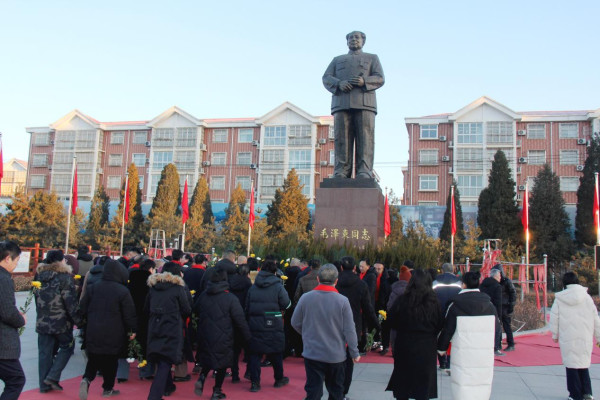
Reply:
x=526 y=204
x=70 y=205
x=183 y=234
x=452 y=234
x=249 y=217
x=124 y=208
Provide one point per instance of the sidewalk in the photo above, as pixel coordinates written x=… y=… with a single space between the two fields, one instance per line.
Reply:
x=370 y=380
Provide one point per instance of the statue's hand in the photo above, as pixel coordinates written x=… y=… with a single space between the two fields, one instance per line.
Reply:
x=345 y=86
x=357 y=81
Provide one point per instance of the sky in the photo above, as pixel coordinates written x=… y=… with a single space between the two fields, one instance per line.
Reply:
x=132 y=60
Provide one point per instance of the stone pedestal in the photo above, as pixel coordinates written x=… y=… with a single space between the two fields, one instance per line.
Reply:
x=349 y=210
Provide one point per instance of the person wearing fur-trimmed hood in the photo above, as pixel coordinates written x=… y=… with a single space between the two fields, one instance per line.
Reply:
x=167 y=305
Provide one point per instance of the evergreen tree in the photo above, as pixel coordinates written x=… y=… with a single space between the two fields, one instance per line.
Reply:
x=165 y=206
x=135 y=230
x=446 y=231
x=585 y=233
x=288 y=214
x=498 y=213
x=235 y=225
x=548 y=221
x=96 y=228
x=200 y=227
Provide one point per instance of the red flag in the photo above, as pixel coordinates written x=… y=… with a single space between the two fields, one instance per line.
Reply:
x=127 y=199
x=74 y=199
x=453 y=220
x=251 y=216
x=185 y=211
x=387 y=226
x=1 y=165
x=596 y=206
x=525 y=212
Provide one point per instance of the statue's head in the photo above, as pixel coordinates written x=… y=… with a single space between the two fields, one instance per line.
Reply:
x=356 y=40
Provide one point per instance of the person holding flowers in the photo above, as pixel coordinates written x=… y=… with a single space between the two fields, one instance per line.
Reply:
x=57 y=311
x=11 y=372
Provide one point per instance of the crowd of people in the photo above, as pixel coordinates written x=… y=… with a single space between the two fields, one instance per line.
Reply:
x=178 y=310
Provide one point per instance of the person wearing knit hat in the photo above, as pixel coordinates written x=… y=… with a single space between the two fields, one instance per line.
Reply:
x=404 y=273
x=446 y=286
x=54 y=256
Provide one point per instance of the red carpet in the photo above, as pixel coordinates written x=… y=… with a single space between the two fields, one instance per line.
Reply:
x=531 y=350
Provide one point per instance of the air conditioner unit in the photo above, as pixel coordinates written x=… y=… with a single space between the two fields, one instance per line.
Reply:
x=442 y=138
x=522 y=188
x=203 y=146
x=324 y=163
x=581 y=141
x=253 y=166
x=322 y=141
x=522 y=160
x=206 y=163
x=99 y=171
x=522 y=133
x=445 y=158
x=579 y=168
x=255 y=143
x=148 y=143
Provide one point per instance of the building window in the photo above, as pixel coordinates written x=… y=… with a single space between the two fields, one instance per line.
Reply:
x=299 y=135
x=113 y=182
x=332 y=157
x=508 y=153
x=429 y=132
x=61 y=183
x=39 y=160
x=243 y=181
x=140 y=137
x=141 y=185
x=163 y=137
x=218 y=158
x=41 y=139
x=272 y=180
x=244 y=158
x=331 y=132
x=428 y=203
x=470 y=185
x=428 y=183
x=536 y=157
x=62 y=161
x=536 y=131
x=304 y=179
x=300 y=159
x=220 y=136
x=217 y=183
x=469 y=158
x=569 y=183
x=115 y=160
x=245 y=135
x=161 y=159
x=274 y=136
x=428 y=157
x=568 y=130
x=37 y=181
x=500 y=132
x=186 y=137
x=470 y=132
x=272 y=159
x=154 y=184
x=117 y=137
x=185 y=159
x=569 y=157
x=65 y=140
x=139 y=159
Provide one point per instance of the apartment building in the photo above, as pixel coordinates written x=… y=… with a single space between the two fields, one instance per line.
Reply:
x=461 y=146
x=13 y=181
x=227 y=152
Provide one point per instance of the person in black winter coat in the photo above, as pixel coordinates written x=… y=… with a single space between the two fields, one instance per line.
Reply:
x=110 y=313
x=446 y=286
x=266 y=301
x=193 y=275
x=239 y=284
x=509 y=298
x=368 y=275
x=491 y=286
x=382 y=295
x=227 y=264
x=357 y=292
x=219 y=313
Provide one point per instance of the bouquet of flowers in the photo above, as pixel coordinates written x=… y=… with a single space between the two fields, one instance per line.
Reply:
x=382 y=315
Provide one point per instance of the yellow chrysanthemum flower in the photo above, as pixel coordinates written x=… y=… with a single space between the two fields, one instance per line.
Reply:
x=77 y=277
x=192 y=292
x=252 y=255
x=287 y=264
x=36 y=284
x=285 y=278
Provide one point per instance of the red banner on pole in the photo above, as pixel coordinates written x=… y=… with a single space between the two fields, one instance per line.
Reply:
x=525 y=212
x=126 y=200
x=387 y=225
x=185 y=211
x=453 y=219
x=596 y=206
x=251 y=216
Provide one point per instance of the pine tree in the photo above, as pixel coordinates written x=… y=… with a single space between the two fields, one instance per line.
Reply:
x=97 y=225
x=585 y=233
x=498 y=214
x=548 y=221
x=288 y=214
x=135 y=230
x=445 y=232
x=235 y=225
x=200 y=227
x=165 y=206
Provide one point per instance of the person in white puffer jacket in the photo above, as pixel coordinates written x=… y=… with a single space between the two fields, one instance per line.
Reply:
x=574 y=324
